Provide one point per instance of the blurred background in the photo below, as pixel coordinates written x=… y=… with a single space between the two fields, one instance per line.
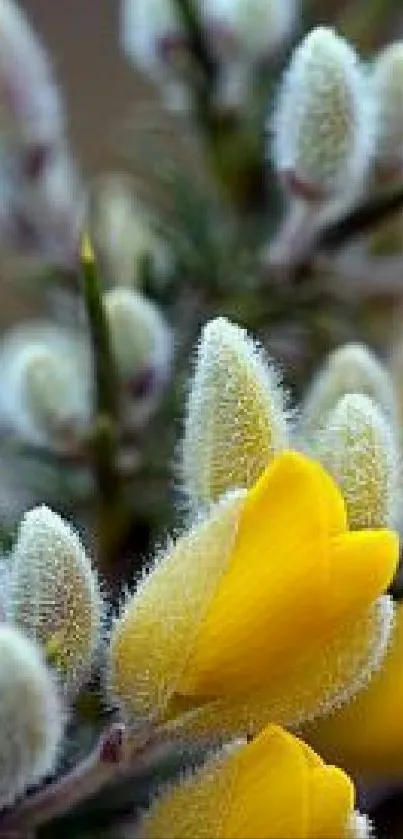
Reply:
x=182 y=217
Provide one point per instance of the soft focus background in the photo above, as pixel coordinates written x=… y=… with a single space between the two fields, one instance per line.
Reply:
x=108 y=105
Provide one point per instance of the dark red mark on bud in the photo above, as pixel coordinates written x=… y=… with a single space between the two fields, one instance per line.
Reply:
x=170 y=45
x=111 y=747
x=144 y=384
x=35 y=161
x=301 y=189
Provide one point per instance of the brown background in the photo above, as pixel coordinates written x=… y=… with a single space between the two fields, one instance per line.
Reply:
x=99 y=85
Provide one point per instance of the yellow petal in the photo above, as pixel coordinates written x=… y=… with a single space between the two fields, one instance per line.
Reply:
x=270 y=796
x=320 y=680
x=272 y=602
x=331 y=803
x=366 y=736
x=259 y=789
x=362 y=566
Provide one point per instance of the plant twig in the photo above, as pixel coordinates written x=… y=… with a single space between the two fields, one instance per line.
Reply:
x=198 y=45
x=233 y=147
x=118 y=753
x=361 y=220
x=111 y=509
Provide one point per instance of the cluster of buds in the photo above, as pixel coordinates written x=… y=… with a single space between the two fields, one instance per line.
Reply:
x=47 y=381
x=252 y=516
x=271 y=607
x=269 y=611
x=50 y=633
x=239 y=36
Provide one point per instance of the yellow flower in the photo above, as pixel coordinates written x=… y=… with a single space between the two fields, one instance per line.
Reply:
x=274 y=787
x=366 y=737
x=267 y=611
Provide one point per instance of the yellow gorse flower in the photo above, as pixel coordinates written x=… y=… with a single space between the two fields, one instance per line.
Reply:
x=269 y=610
x=366 y=736
x=271 y=788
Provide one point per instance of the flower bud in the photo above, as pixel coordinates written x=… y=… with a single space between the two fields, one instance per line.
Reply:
x=40 y=194
x=30 y=98
x=31 y=715
x=323 y=126
x=229 y=631
x=358 y=449
x=141 y=343
x=243 y=35
x=235 y=419
x=256 y=28
x=123 y=234
x=387 y=83
x=54 y=593
x=45 y=384
x=271 y=788
x=351 y=368
x=153 y=38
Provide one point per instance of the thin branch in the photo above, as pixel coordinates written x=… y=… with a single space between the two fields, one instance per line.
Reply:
x=361 y=219
x=112 y=513
x=117 y=754
x=198 y=43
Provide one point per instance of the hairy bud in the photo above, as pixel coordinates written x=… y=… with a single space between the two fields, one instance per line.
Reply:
x=124 y=236
x=323 y=126
x=54 y=593
x=45 y=384
x=351 y=368
x=235 y=420
x=142 y=346
x=358 y=448
x=40 y=193
x=31 y=715
x=153 y=38
x=256 y=27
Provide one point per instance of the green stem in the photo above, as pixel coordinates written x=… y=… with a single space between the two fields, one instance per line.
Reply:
x=110 y=507
x=233 y=149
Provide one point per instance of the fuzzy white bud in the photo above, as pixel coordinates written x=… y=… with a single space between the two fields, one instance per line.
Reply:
x=40 y=193
x=54 y=594
x=235 y=419
x=323 y=125
x=153 y=38
x=351 y=368
x=31 y=715
x=256 y=28
x=29 y=96
x=124 y=235
x=358 y=448
x=45 y=384
x=142 y=346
